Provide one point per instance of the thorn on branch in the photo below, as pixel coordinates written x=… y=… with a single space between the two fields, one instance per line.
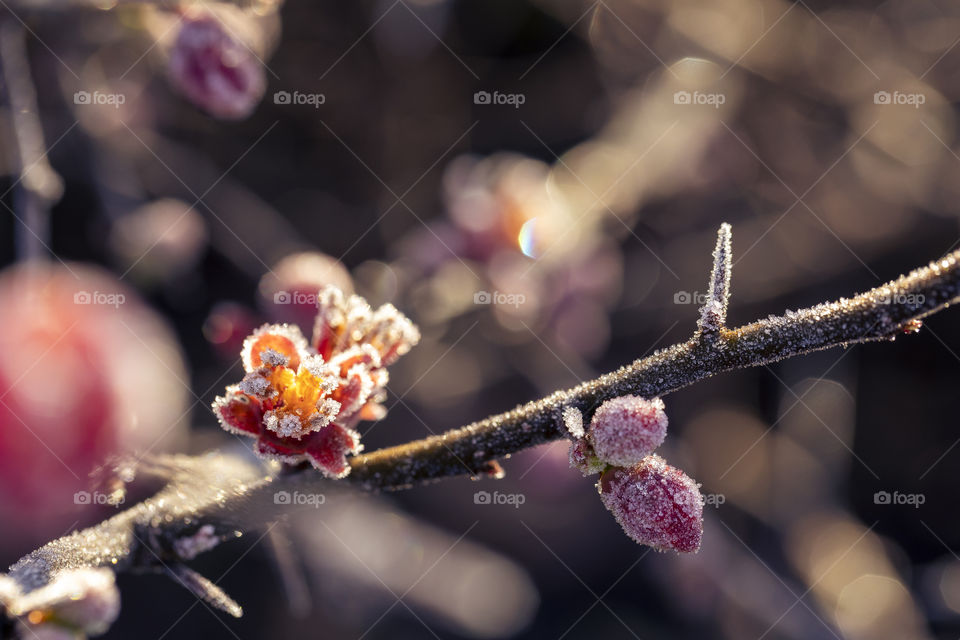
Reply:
x=713 y=313
x=204 y=589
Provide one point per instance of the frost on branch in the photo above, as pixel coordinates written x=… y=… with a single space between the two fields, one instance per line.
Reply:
x=301 y=400
x=713 y=313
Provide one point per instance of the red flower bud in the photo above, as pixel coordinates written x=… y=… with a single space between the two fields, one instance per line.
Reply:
x=656 y=504
x=625 y=430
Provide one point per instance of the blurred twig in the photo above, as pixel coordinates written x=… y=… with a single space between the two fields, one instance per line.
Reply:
x=37 y=186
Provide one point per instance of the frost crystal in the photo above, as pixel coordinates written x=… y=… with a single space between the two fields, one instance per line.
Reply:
x=625 y=430
x=573 y=420
x=656 y=504
x=301 y=400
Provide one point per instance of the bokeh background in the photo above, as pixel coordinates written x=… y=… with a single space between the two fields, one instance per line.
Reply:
x=538 y=185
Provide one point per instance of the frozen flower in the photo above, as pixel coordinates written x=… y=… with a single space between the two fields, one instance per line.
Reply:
x=75 y=603
x=625 y=430
x=656 y=504
x=213 y=68
x=301 y=400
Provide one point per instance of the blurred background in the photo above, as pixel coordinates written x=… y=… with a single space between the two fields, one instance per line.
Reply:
x=538 y=185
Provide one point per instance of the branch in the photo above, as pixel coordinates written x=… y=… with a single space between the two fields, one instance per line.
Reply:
x=713 y=313
x=38 y=186
x=214 y=497
x=878 y=314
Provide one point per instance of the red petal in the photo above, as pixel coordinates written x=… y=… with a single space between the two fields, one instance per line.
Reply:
x=328 y=449
x=240 y=412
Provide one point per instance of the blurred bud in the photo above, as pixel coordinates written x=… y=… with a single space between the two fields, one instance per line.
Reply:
x=227 y=326
x=627 y=429
x=288 y=293
x=87 y=371
x=214 y=65
x=656 y=504
x=81 y=600
x=159 y=240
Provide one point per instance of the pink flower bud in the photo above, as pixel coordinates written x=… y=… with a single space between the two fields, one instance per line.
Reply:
x=656 y=504
x=214 y=69
x=625 y=430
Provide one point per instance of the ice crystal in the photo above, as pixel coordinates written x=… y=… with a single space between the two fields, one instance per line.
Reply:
x=625 y=430
x=301 y=400
x=656 y=504
x=573 y=420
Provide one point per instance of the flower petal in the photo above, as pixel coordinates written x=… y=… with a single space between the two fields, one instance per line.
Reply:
x=238 y=412
x=328 y=448
x=284 y=339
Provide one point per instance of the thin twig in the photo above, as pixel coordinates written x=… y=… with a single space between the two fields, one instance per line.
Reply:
x=38 y=186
